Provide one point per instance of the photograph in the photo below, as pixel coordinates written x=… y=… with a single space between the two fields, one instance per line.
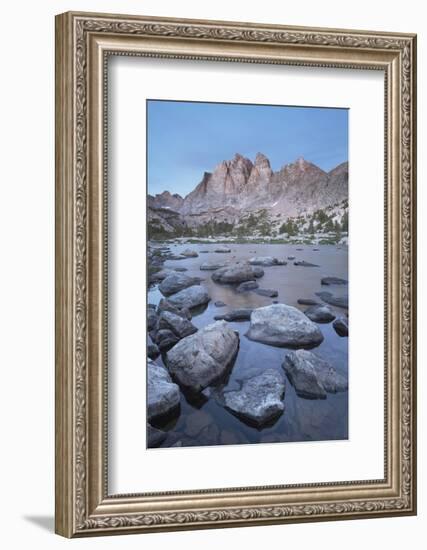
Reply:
x=247 y=273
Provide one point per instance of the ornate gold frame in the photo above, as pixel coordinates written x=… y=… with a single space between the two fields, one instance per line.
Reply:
x=83 y=506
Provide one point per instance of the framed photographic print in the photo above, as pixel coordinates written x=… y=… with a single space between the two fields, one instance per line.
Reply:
x=235 y=274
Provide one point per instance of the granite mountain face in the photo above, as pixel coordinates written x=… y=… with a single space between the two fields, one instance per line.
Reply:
x=239 y=188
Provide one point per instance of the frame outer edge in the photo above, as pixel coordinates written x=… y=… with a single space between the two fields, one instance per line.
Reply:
x=73 y=517
x=64 y=237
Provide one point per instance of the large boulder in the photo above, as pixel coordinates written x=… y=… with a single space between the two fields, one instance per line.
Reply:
x=312 y=376
x=163 y=397
x=175 y=282
x=266 y=261
x=204 y=357
x=283 y=326
x=237 y=273
x=179 y=326
x=223 y=250
x=190 y=297
x=260 y=400
x=320 y=314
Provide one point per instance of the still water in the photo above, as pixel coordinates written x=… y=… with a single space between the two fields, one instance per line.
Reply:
x=206 y=422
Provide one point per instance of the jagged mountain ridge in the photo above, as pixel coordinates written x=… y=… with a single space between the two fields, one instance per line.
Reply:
x=239 y=186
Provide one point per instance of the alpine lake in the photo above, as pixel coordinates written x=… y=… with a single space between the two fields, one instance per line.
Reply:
x=202 y=419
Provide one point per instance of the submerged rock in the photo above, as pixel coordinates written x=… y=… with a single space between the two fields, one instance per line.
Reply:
x=247 y=285
x=312 y=376
x=219 y=303
x=267 y=292
x=333 y=281
x=151 y=319
x=329 y=298
x=190 y=297
x=291 y=257
x=242 y=314
x=175 y=282
x=307 y=302
x=179 y=326
x=237 y=273
x=283 y=326
x=165 y=305
x=341 y=326
x=209 y=266
x=204 y=357
x=152 y=350
x=165 y=339
x=303 y=263
x=320 y=314
x=155 y=437
x=160 y=275
x=260 y=400
x=266 y=261
x=163 y=397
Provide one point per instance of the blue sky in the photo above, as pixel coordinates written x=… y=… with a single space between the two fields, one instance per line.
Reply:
x=186 y=139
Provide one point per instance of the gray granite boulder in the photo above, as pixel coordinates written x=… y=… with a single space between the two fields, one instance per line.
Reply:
x=163 y=397
x=175 y=282
x=179 y=326
x=283 y=326
x=199 y=360
x=260 y=399
x=320 y=314
x=312 y=376
x=223 y=250
x=190 y=297
x=237 y=273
